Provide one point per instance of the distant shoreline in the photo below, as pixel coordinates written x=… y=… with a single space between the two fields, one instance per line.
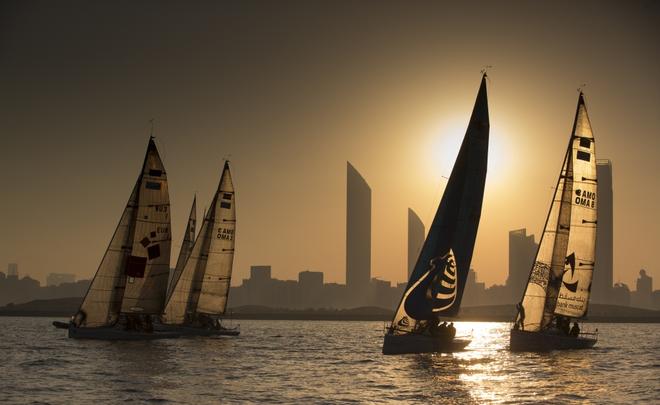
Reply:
x=599 y=313
x=329 y=317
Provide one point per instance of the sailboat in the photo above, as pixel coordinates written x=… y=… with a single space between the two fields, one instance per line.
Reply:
x=560 y=279
x=130 y=284
x=436 y=284
x=186 y=246
x=199 y=296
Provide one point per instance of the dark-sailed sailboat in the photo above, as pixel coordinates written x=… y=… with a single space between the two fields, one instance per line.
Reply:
x=437 y=282
x=560 y=279
x=199 y=296
x=130 y=284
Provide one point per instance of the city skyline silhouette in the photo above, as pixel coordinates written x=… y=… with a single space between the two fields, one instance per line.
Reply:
x=291 y=96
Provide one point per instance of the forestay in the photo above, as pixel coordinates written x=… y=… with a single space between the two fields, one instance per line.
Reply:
x=560 y=279
x=437 y=282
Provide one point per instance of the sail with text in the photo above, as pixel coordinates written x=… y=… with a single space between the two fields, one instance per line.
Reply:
x=203 y=285
x=186 y=246
x=132 y=276
x=437 y=282
x=560 y=278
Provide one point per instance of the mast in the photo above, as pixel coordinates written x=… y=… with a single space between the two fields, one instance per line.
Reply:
x=437 y=282
x=560 y=279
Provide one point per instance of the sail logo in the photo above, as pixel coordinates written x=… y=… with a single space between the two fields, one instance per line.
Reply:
x=434 y=291
x=570 y=262
x=585 y=198
x=444 y=286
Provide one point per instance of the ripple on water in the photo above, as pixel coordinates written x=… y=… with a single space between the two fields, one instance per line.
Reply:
x=322 y=362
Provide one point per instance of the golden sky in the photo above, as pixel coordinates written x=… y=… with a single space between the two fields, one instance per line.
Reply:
x=293 y=90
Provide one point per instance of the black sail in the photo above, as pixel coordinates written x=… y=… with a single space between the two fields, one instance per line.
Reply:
x=437 y=282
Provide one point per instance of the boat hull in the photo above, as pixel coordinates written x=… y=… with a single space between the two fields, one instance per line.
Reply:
x=193 y=331
x=522 y=341
x=111 y=333
x=416 y=343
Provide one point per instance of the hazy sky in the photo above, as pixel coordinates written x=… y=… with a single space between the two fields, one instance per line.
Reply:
x=292 y=90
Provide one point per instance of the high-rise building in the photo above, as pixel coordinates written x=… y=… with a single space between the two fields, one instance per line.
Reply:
x=358 y=232
x=260 y=273
x=522 y=250
x=642 y=297
x=311 y=279
x=601 y=285
x=12 y=271
x=415 y=239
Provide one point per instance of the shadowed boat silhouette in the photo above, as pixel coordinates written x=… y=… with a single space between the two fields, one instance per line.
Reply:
x=436 y=284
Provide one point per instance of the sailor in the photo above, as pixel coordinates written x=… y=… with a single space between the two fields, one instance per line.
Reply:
x=575 y=330
x=521 y=316
x=451 y=330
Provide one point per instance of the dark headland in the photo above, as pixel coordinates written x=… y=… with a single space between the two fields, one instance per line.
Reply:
x=64 y=307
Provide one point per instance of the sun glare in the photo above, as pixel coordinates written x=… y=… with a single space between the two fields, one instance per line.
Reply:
x=445 y=142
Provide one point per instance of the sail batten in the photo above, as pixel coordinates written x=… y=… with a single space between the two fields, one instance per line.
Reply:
x=436 y=284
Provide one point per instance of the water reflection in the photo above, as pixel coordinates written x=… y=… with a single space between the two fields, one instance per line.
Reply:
x=301 y=362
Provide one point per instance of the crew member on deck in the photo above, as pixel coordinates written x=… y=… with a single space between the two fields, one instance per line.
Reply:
x=575 y=330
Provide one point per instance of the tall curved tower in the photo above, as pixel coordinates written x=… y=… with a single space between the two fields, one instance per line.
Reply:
x=358 y=232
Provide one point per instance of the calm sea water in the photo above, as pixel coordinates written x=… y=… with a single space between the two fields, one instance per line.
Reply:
x=330 y=362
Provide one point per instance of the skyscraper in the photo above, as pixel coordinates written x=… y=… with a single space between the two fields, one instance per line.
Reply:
x=601 y=286
x=358 y=232
x=415 y=239
x=522 y=250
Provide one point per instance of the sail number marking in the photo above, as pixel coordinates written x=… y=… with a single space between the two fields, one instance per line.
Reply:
x=225 y=233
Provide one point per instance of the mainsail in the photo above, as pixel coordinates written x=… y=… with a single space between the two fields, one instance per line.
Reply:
x=437 y=282
x=203 y=285
x=186 y=246
x=560 y=279
x=130 y=276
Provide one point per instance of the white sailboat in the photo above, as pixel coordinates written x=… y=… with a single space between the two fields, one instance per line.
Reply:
x=130 y=284
x=186 y=246
x=199 y=296
x=437 y=282
x=560 y=279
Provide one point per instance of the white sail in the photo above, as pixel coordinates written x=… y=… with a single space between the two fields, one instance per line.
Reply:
x=103 y=299
x=148 y=266
x=580 y=256
x=206 y=275
x=565 y=258
x=186 y=246
x=216 y=281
